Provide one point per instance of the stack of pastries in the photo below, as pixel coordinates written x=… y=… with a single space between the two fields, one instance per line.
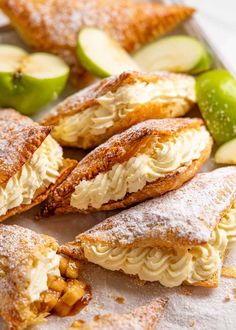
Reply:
x=143 y=153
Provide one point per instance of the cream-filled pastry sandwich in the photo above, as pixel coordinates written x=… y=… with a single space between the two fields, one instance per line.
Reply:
x=145 y=161
x=141 y=318
x=91 y=116
x=31 y=163
x=35 y=281
x=180 y=237
x=49 y=25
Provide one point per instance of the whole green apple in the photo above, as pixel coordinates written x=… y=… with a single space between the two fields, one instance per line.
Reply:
x=30 y=81
x=216 y=96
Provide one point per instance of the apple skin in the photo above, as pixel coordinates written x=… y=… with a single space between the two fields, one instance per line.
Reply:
x=216 y=97
x=27 y=94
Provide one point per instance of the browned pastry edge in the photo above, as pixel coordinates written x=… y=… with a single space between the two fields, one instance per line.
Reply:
x=117 y=149
x=68 y=166
x=25 y=246
x=143 y=317
x=174 y=180
x=45 y=26
x=87 y=97
x=20 y=137
x=140 y=113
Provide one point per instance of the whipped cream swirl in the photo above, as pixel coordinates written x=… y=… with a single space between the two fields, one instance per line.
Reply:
x=169 y=267
x=134 y=174
x=113 y=106
x=39 y=172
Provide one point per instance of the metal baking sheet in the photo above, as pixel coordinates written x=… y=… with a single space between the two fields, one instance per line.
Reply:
x=198 y=308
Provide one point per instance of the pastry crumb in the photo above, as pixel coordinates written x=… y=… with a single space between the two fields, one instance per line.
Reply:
x=227 y=298
x=186 y=291
x=234 y=290
x=228 y=272
x=120 y=300
x=192 y=323
x=96 y=317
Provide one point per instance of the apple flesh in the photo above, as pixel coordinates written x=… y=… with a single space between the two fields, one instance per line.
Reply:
x=226 y=154
x=216 y=97
x=30 y=81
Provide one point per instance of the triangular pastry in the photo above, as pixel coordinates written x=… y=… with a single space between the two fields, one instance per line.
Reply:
x=31 y=163
x=180 y=237
x=146 y=160
x=53 y=25
x=91 y=116
x=141 y=318
x=34 y=280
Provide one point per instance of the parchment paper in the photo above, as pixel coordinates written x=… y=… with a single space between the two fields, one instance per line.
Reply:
x=190 y=307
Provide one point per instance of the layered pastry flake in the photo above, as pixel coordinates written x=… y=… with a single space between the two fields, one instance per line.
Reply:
x=49 y=26
x=35 y=281
x=31 y=162
x=180 y=237
x=144 y=317
x=145 y=161
x=89 y=117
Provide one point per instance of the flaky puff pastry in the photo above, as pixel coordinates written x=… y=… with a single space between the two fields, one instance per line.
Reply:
x=141 y=318
x=34 y=280
x=91 y=116
x=20 y=139
x=180 y=237
x=145 y=161
x=49 y=25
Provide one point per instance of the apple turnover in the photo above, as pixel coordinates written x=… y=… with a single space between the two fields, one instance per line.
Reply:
x=91 y=116
x=145 y=161
x=34 y=280
x=49 y=25
x=31 y=163
x=180 y=237
x=141 y=318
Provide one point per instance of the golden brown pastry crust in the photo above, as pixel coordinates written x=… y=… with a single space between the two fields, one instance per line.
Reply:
x=87 y=98
x=68 y=166
x=165 y=221
x=49 y=25
x=20 y=137
x=144 y=317
x=119 y=149
x=18 y=246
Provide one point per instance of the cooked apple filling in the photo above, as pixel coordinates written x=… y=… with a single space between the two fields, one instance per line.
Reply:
x=135 y=173
x=113 y=106
x=38 y=173
x=59 y=291
x=170 y=267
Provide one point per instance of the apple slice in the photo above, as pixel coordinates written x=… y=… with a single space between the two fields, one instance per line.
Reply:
x=101 y=55
x=226 y=154
x=216 y=97
x=30 y=81
x=176 y=53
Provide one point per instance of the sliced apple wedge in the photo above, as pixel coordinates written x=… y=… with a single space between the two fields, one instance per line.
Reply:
x=216 y=97
x=176 y=53
x=29 y=81
x=101 y=55
x=226 y=154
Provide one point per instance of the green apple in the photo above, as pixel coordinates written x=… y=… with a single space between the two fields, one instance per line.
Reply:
x=176 y=54
x=216 y=97
x=30 y=81
x=101 y=55
x=226 y=154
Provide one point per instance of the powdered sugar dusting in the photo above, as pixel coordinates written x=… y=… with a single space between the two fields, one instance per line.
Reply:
x=186 y=216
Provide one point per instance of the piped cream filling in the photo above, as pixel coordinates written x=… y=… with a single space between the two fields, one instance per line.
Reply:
x=169 y=267
x=47 y=264
x=134 y=174
x=41 y=171
x=114 y=106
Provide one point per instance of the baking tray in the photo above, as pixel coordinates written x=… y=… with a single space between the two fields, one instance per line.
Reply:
x=197 y=308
